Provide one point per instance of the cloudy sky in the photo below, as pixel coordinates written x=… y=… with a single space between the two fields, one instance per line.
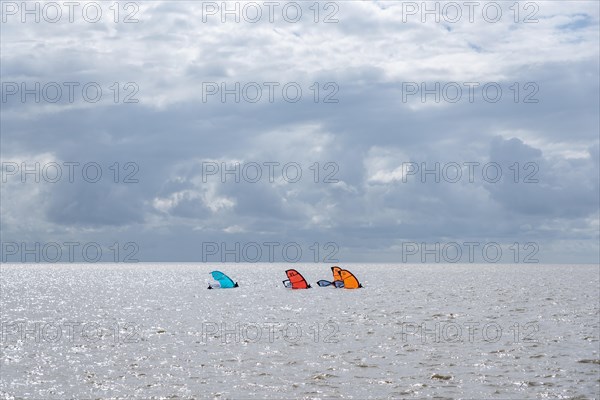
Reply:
x=501 y=99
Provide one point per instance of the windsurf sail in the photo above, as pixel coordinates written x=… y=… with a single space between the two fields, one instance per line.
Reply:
x=295 y=280
x=338 y=282
x=224 y=281
x=350 y=281
x=324 y=283
x=337 y=276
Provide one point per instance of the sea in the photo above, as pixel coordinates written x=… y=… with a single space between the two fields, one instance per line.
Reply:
x=422 y=331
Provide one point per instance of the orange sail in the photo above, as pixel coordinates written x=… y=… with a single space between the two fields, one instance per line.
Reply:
x=296 y=280
x=350 y=281
x=336 y=273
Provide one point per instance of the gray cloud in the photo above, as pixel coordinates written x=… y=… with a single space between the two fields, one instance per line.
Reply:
x=369 y=133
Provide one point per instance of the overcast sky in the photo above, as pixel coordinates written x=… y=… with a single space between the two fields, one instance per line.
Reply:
x=362 y=116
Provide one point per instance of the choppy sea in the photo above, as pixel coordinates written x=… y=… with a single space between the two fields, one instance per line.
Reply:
x=414 y=331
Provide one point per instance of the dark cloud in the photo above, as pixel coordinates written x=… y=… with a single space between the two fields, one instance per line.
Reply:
x=95 y=205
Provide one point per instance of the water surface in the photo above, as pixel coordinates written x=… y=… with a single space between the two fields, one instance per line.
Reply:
x=414 y=331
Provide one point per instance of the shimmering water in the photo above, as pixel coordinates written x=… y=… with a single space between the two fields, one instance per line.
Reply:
x=414 y=331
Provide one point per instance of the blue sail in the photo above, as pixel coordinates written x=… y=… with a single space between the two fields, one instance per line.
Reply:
x=324 y=283
x=224 y=280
